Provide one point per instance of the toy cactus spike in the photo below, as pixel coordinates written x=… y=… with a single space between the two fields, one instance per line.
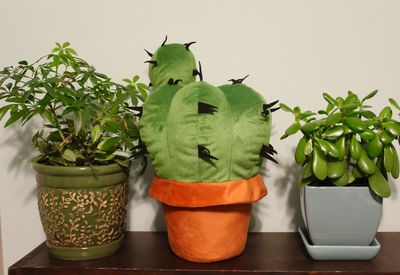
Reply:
x=174 y=61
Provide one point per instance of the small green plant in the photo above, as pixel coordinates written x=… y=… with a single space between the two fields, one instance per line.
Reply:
x=346 y=143
x=88 y=119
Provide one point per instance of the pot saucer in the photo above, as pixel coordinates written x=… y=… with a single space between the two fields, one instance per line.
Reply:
x=336 y=252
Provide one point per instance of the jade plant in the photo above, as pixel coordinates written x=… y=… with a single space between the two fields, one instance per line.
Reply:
x=88 y=118
x=347 y=144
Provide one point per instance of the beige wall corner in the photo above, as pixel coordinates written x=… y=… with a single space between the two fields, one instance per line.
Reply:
x=1 y=252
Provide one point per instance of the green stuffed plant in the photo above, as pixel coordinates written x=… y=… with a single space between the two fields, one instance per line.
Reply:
x=88 y=119
x=172 y=62
x=200 y=133
x=347 y=144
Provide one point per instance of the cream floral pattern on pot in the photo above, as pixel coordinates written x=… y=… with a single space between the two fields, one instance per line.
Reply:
x=83 y=217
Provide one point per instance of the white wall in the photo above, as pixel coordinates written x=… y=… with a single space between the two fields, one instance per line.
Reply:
x=1 y=252
x=293 y=50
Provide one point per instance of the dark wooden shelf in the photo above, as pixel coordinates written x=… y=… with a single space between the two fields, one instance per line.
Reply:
x=267 y=253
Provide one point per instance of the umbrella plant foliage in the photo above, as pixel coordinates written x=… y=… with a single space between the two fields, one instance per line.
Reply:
x=347 y=144
x=88 y=118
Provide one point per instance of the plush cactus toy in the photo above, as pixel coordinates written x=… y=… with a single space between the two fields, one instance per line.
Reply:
x=172 y=61
x=201 y=133
x=207 y=145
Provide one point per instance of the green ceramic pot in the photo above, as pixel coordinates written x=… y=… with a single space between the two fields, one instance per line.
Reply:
x=82 y=209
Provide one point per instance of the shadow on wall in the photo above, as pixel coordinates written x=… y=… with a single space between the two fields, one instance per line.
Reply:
x=20 y=140
x=287 y=184
x=284 y=186
x=258 y=210
x=139 y=184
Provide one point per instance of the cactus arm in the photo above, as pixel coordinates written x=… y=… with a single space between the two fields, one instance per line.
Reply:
x=153 y=130
x=187 y=128
x=251 y=130
x=172 y=61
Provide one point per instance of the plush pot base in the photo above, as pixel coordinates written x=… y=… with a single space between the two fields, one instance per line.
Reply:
x=82 y=209
x=207 y=234
x=207 y=222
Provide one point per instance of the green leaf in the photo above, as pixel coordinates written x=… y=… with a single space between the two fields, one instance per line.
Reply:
x=127 y=80
x=108 y=143
x=370 y=95
x=386 y=113
x=69 y=155
x=328 y=148
x=396 y=163
x=367 y=135
x=15 y=116
x=342 y=180
x=66 y=44
x=355 y=124
x=333 y=119
x=388 y=158
x=341 y=146
x=379 y=184
x=307 y=170
x=71 y=51
x=355 y=148
x=319 y=164
x=349 y=107
x=77 y=122
x=385 y=137
x=312 y=126
x=392 y=127
x=300 y=157
x=374 y=147
x=285 y=108
x=367 y=114
x=394 y=103
x=135 y=78
x=366 y=164
x=49 y=117
x=23 y=62
x=4 y=110
x=336 y=169
x=309 y=147
x=330 y=99
x=95 y=133
x=333 y=132
x=294 y=128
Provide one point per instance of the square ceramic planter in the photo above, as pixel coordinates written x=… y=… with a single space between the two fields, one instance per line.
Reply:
x=341 y=215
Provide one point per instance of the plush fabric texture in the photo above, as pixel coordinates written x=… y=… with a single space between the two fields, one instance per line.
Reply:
x=203 y=194
x=173 y=61
x=207 y=234
x=172 y=129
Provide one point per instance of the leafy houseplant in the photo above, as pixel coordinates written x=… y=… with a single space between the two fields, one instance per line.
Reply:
x=85 y=146
x=346 y=144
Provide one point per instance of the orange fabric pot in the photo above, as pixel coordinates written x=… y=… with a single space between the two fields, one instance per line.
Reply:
x=207 y=222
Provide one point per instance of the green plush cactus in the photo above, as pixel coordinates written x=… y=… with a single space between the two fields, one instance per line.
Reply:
x=202 y=133
x=172 y=61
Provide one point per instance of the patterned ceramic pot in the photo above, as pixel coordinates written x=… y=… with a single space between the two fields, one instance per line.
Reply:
x=82 y=209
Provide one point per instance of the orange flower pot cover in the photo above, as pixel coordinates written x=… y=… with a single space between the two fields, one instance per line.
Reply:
x=207 y=222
